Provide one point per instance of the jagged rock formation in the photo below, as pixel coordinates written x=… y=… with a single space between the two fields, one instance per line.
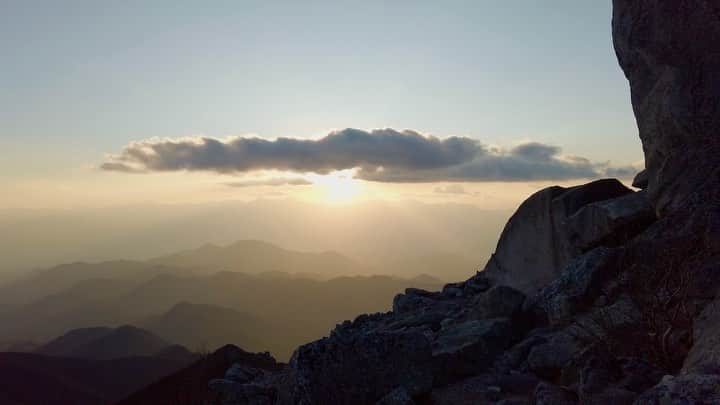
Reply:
x=596 y=294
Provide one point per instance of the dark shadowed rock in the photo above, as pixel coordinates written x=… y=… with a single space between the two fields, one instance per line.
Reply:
x=641 y=180
x=515 y=357
x=599 y=374
x=695 y=389
x=241 y=373
x=234 y=393
x=487 y=388
x=549 y=394
x=547 y=359
x=535 y=244
x=396 y=397
x=361 y=367
x=498 y=302
x=578 y=285
x=470 y=347
x=412 y=300
x=638 y=374
x=704 y=357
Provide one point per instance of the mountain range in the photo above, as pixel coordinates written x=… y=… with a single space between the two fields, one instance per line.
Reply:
x=250 y=293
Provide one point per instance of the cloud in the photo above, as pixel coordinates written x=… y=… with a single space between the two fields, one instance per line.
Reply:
x=346 y=149
x=451 y=189
x=382 y=155
x=280 y=181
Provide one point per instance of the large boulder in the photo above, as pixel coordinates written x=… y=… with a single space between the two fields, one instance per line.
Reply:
x=670 y=53
x=610 y=222
x=462 y=349
x=536 y=243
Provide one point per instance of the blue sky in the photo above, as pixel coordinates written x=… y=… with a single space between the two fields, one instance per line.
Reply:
x=84 y=78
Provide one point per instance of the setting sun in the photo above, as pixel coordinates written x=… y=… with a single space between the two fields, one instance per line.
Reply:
x=338 y=187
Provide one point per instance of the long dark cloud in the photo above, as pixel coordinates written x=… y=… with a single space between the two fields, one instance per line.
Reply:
x=384 y=155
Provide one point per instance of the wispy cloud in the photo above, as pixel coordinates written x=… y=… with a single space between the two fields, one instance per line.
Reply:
x=279 y=181
x=456 y=189
x=382 y=155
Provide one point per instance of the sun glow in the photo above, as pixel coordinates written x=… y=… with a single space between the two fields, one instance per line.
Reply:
x=338 y=187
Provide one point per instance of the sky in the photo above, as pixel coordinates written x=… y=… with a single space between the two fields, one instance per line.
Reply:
x=107 y=103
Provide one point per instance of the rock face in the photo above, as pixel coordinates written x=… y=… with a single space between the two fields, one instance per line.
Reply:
x=595 y=294
x=670 y=52
x=535 y=244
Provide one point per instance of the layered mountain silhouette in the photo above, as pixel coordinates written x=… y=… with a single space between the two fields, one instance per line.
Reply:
x=189 y=298
x=203 y=327
x=101 y=343
x=253 y=257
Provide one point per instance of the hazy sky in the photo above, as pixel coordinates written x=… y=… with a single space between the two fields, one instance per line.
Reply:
x=83 y=79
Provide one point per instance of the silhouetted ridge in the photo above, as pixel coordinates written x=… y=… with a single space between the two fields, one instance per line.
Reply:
x=34 y=379
x=105 y=343
x=189 y=386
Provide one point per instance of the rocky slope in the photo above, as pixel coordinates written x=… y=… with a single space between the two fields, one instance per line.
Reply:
x=596 y=294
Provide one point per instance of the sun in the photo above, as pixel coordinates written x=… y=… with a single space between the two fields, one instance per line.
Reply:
x=337 y=187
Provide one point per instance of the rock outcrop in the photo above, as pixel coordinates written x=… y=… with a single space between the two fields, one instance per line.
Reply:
x=595 y=295
x=670 y=52
x=536 y=243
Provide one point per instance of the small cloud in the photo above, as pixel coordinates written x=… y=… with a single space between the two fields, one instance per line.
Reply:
x=120 y=167
x=451 y=189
